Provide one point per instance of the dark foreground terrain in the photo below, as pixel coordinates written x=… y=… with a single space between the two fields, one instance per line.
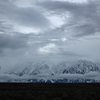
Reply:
x=49 y=91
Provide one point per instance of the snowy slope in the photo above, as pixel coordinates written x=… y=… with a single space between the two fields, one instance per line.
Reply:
x=32 y=69
x=80 y=71
x=82 y=67
x=79 y=67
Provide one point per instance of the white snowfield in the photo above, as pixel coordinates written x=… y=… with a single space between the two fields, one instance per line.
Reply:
x=82 y=71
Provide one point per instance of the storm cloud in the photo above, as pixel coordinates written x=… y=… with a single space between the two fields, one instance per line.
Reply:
x=85 y=17
x=30 y=17
x=49 y=30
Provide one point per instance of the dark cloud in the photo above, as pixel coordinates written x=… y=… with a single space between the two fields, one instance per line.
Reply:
x=83 y=20
x=30 y=17
x=4 y=28
x=84 y=30
x=14 y=42
x=58 y=5
x=85 y=17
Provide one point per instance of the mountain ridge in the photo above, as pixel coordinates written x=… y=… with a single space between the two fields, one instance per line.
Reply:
x=80 y=67
x=80 y=71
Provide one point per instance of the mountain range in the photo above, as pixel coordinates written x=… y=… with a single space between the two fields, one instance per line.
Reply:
x=79 y=71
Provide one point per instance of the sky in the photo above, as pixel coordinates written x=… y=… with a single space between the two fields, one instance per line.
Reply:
x=49 y=30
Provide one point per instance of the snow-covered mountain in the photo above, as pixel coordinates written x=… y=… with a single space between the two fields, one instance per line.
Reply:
x=79 y=67
x=41 y=69
x=82 y=67
x=32 y=69
x=80 y=71
x=21 y=68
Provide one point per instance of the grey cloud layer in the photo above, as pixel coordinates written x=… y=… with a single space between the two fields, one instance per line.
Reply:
x=16 y=41
x=24 y=16
x=85 y=17
x=83 y=20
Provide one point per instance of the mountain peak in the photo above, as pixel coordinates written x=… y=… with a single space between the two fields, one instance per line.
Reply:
x=82 y=67
x=42 y=68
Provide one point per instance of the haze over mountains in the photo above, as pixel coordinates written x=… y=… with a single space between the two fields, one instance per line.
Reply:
x=35 y=72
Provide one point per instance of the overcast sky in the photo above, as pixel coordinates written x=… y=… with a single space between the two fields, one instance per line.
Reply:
x=49 y=30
